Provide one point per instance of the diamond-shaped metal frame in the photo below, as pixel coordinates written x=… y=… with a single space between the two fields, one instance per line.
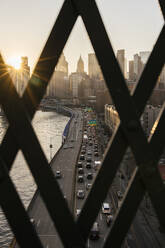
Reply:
x=20 y=135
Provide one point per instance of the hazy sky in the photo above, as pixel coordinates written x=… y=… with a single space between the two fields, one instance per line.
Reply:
x=132 y=25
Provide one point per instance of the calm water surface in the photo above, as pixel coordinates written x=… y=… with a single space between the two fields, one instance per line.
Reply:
x=49 y=127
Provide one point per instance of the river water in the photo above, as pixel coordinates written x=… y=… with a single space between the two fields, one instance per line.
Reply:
x=49 y=127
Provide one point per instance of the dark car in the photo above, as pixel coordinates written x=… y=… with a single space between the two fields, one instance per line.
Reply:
x=89 y=159
x=88 y=165
x=96 y=154
x=82 y=157
x=80 y=171
x=89 y=176
x=83 y=152
x=79 y=165
x=80 y=179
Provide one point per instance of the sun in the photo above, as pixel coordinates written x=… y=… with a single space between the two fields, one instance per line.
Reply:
x=15 y=62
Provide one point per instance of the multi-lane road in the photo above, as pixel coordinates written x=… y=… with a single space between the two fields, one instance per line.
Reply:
x=64 y=161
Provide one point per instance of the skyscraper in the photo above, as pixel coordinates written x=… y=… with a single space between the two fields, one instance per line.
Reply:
x=138 y=66
x=94 y=70
x=131 y=70
x=80 y=66
x=144 y=56
x=121 y=60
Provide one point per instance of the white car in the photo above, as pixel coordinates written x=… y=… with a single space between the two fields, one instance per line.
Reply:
x=106 y=208
x=78 y=212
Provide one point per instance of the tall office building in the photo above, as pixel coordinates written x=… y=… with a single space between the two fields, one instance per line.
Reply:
x=59 y=83
x=131 y=70
x=94 y=70
x=62 y=64
x=80 y=66
x=138 y=66
x=144 y=56
x=121 y=60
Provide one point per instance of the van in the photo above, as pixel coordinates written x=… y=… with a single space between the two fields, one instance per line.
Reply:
x=95 y=233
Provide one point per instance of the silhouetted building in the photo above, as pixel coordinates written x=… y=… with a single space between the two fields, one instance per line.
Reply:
x=144 y=56
x=94 y=70
x=80 y=66
x=121 y=60
x=137 y=66
x=131 y=70
x=62 y=64
x=59 y=84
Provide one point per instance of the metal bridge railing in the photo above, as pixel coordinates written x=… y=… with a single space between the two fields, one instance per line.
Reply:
x=20 y=135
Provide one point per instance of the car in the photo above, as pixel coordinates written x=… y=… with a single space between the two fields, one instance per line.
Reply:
x=88 y=165
x=80 y=194
x=83 y=152
x=80 y=179
x=90 y=144
x=89 y=176
x=32 y=221
x=89 y=152
x=109 y=219
x=106 y=208
x=95 y=232
x=78 y=212
x=88 y=186
x=79 y=165
x=82 y=157
x=58 y=174
x=96 y=165
x=96 y=154
x=89 y=159
x=83 y=147
x=80 y=171
x=119 y=194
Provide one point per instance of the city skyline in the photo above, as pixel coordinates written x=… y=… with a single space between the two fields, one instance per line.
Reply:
x=26 y=35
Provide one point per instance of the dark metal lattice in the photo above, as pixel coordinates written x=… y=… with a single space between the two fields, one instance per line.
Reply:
x=20 y=135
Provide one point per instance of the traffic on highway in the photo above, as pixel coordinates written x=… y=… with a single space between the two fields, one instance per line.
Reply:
x=87 y=167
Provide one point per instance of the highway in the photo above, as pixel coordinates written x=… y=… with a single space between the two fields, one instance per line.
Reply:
x=88 y=150
x=64 y=161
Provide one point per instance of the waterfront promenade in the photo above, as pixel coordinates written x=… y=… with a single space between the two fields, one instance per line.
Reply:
x=64 y=160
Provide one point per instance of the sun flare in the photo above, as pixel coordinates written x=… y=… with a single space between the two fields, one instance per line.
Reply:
x=15 y=62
